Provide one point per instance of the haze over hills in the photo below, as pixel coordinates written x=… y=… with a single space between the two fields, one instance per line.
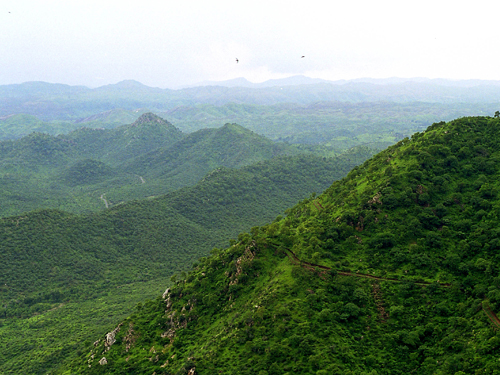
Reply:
x=62 y=102
x=392 y=270
x=373 y=113
x=90 y=169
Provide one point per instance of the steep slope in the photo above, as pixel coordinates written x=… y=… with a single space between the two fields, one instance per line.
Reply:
x=115 y=146
x=393 y=270
x=65 y=278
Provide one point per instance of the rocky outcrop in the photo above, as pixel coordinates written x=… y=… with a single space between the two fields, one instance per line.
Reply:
x=243 y=260
x=110 y=337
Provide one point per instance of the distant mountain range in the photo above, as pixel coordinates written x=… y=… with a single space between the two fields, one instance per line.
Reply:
x=303 y=80
x=72 y=103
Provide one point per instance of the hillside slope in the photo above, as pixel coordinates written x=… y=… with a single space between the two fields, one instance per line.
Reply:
x=92 y=169
x=392 y=270
x=65 y=278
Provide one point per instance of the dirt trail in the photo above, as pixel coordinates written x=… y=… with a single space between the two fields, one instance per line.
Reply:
x=291 y=254
x=104 y=200
x=490 y=314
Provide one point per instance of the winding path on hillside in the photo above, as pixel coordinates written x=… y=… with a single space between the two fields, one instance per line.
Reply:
x=313 y=266
x=491 y=315
x=383 y=315
x=104 y=200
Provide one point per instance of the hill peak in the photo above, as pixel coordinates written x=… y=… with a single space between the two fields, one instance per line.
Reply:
x=150 y=118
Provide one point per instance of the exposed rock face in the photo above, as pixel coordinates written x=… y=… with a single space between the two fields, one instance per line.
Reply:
x=165 y=294
x=110 y=337
x=170 y=334
x=246 y=258
x=103 y=361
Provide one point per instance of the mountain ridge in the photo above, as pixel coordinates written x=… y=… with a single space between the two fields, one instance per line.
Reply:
x=66 y=276
x=420 y=219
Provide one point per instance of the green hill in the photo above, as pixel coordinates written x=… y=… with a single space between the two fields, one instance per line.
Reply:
x=65 y=279
x=199 y=152
x=392 y=270
x=91 y=169
x=149 y=132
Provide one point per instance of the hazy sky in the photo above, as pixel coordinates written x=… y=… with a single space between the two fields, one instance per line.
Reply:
x=167 y=43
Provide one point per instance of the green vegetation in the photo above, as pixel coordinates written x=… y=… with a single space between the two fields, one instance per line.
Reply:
x=51 y=102
x=65 y=279
x=20 y=125
x=91 y=169
x=392 y=270
x=338 y=125
x=339 y=116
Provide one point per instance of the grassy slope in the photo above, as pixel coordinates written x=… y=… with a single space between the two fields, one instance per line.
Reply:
x=422 y=216
x=58 y=269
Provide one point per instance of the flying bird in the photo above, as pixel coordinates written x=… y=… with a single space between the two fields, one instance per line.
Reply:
x=237 y=60
x=302 y=57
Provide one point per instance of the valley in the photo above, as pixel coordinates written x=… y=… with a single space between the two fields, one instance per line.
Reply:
x=318 y=229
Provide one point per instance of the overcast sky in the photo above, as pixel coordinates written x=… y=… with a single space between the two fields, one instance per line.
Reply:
x=165 y=43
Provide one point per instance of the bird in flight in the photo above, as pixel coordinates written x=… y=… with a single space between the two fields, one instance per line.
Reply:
x=237 y=60
x=302 y=57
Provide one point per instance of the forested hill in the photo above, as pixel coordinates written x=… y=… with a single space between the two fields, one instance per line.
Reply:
x=65 y=278
x=392 y=270
x=92 y=169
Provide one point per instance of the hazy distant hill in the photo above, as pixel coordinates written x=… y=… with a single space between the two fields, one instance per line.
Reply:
x=338 y=124
x=19 y=125
x=242 y=82
x=62 y=102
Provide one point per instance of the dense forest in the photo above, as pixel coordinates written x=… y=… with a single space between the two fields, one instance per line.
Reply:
x=392 y=270
x=92 y=169
x=65 y=278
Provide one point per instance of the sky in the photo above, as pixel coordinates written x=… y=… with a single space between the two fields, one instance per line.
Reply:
x=169 y=44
